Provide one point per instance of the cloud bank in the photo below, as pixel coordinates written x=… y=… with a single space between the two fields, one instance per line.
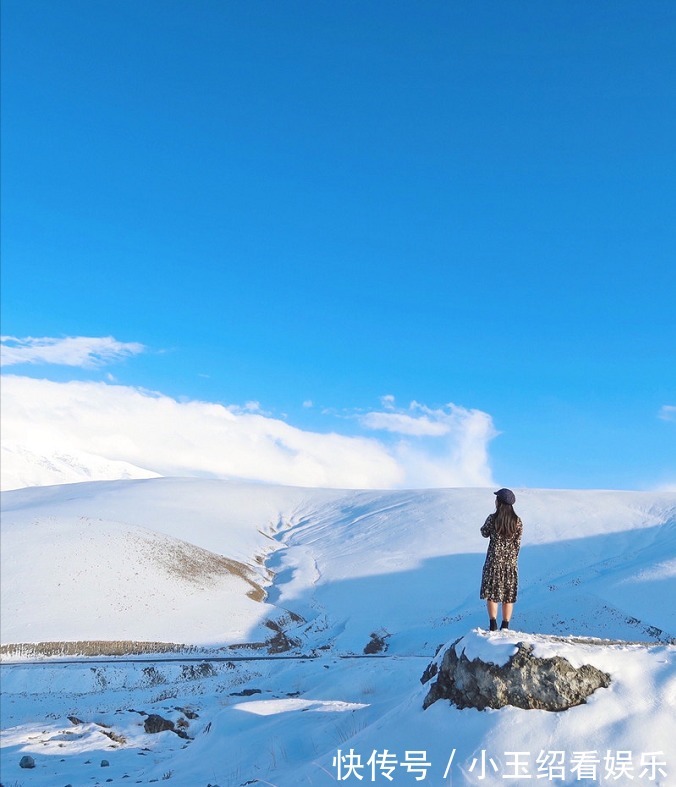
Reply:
x=151 y=433
x=86 y=352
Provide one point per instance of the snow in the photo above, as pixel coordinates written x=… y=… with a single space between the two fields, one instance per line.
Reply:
x=494 y=648
x=22 y=467
x=179 y=561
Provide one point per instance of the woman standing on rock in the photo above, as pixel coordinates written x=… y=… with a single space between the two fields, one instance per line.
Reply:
x=499 y=579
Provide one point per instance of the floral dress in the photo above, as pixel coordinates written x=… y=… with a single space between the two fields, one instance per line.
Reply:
x=500 y=579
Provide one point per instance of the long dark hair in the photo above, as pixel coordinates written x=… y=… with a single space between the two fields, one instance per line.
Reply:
x=505 y=519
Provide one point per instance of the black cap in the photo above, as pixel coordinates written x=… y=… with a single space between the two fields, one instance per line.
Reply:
x=506 y=496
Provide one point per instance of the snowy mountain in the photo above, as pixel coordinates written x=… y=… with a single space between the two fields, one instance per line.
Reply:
x=21 y=467
x=238 y=569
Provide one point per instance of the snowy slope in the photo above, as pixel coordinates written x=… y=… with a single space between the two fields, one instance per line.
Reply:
x=591 y=563
x=103 y=580
x=180 y=560
x=169 y=559
x=403 y=564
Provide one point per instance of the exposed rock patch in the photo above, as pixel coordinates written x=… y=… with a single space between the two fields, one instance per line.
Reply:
x=525 y=681
x=114 y=737
x=280 y=642
x=155 y=723
x=377 y=643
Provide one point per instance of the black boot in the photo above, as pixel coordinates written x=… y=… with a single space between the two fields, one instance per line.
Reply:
x=504 y=624
x=493 y=624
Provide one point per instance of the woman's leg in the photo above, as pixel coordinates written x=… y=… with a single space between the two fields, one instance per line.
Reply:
x=492 y=607
x=506 y=612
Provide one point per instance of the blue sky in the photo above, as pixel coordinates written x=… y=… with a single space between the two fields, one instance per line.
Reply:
x=295 y=202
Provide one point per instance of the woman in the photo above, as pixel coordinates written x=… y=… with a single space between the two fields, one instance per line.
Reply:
x=499 y=579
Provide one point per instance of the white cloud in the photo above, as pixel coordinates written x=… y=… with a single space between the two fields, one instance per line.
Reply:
x=667 y=412
x=192 y=438
x=153 y=432
x=83 y=351
x=387 y=401
x=403 y=423
x=446 y=446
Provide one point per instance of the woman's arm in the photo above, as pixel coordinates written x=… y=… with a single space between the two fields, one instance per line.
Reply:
x=487 y=526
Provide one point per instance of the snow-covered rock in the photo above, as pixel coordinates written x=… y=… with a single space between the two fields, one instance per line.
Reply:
x=525 y=680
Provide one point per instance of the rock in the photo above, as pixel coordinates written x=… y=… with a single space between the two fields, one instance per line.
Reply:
x=26 y=762
x=525 y=681
x=74 y=720
x=105 y=764
x=377 y=643
x=280 y=642
x=430 y=671
x=156 y=723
